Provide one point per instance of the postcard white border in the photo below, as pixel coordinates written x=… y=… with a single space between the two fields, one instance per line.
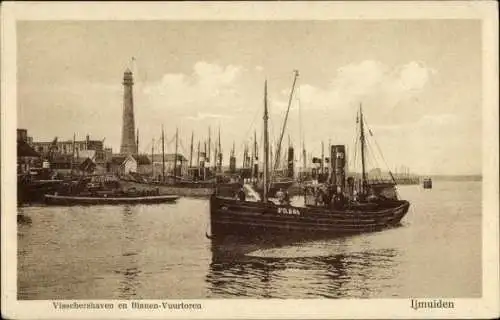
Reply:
x=487 y=306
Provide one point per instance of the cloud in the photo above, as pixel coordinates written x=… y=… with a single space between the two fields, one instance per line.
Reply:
x=437 y=120
x=369 y=82
x=426 y=122
x=208 y=84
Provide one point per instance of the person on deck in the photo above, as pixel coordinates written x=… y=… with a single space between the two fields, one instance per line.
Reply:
x=241 y=194
x=286 y=198
x=280 y=195
x=372 y=197
x=355 y=197
x=321 y=196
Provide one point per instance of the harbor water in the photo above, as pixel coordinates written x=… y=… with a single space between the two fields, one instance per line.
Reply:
x=162 y=251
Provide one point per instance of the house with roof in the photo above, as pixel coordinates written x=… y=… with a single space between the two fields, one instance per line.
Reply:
x=27 y=157
x=126 y=164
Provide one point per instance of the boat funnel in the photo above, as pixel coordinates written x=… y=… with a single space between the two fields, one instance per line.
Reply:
x=290 y=172
x=337 y=163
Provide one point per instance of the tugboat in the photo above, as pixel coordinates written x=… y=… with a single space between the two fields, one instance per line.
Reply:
x=336 y=209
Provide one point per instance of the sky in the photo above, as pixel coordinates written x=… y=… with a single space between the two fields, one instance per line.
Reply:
x=418 y=81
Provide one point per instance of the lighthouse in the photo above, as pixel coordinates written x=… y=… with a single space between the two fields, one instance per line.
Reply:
x=128 y=145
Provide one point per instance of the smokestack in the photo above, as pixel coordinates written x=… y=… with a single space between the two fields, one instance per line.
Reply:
x=137 y=143
x=128 y=145
x=338 y=166
x=290 y=172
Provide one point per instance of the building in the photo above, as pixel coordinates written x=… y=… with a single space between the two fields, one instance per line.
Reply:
x=127 y=164
x=79 y=149
x=27 y=157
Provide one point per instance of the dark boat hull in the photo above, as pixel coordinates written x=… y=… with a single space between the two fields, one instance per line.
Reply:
x=232 y=217
x=77 y=200
x=34 y=191
x=185 y=189
x=427 y=184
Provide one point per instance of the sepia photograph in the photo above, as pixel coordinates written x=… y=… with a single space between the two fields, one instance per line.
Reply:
x=165 y=164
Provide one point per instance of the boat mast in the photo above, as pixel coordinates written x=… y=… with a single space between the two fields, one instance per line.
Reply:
x=215 y=157
x=278 y=151
x=162 y=154
x=137 y=141
x=175 y=155
x=73 y=153
x=322 y=158
x=304 y=156
x=243 y=164
x=255 y=156
x=209 y=143
x=219 y=165
x=252 y=162
x=198 y=159
x=191 y=152
x=266 y=145
x=362 y=138
x=152 y=158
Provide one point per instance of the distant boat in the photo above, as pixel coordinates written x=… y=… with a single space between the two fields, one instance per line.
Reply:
x=427 y=183
x=53 y=199
x=334 y=214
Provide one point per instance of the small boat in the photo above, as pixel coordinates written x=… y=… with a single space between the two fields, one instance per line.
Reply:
x=427 y=183
x=30 y=190
x=335 y=209
x=54 y=199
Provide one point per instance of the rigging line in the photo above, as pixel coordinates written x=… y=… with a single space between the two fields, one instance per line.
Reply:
x=370 y=150
x=381 y=154
x=299 y=107
x=355 y=153
x=247 y=133
x=356 y=141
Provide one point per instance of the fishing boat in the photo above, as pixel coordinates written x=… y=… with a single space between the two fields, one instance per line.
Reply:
x=54 y=199
x=104 y=189
x=32 y=190
x=339 y=207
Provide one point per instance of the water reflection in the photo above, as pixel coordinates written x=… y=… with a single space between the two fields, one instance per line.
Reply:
x=23 y=219
x=128 y=266
x=319 y=268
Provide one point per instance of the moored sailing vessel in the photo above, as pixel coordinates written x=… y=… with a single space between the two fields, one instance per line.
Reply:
x=193 y=186
x=340 y=207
